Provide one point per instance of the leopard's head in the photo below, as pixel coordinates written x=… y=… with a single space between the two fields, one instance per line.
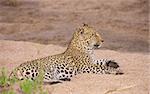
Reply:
x=87 y=37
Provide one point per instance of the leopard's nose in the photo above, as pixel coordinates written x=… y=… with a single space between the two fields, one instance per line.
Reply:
x=96 y=45
x=102 y=40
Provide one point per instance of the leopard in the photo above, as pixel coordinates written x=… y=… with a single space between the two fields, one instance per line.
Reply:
x=78 y=58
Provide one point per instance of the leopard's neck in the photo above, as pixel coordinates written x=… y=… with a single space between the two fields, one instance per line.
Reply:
x=76 y=45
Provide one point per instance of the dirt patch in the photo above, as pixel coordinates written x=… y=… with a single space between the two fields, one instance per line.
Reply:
x=135 y=66
x=123 y=23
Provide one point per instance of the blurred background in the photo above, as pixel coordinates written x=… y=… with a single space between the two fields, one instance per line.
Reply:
x=122 y=23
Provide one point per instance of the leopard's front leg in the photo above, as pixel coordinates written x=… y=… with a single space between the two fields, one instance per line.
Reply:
x=106 y=62
x=104 y=66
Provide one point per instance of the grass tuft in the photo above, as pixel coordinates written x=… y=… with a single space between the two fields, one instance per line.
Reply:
x=3 y=78
x=33 y=87
x=8 y=92
x=26 y=86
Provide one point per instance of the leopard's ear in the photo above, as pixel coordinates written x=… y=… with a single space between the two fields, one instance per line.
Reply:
x=80 y=30
x=84 y=24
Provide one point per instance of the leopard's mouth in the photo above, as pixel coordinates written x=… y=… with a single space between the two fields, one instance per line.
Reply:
x=97 y=46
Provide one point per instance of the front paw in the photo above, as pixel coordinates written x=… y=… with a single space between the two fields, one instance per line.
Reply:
x=112 y=64
x=65 y=79
x=114 y=67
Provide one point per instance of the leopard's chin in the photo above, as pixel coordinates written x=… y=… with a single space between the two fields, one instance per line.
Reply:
x=99 y=46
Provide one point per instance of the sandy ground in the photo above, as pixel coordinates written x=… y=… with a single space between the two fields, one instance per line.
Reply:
x=122 y=23
x=135 y=66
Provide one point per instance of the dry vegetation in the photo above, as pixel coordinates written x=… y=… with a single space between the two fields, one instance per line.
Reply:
x=11 y=3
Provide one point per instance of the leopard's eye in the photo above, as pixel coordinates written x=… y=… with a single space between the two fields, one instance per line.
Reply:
x=81 y=32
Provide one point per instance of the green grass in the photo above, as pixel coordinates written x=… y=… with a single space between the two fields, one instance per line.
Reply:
x=3 y=78
x=8 y=92
x=33 y=87
x=26 y=86
x=5 y=83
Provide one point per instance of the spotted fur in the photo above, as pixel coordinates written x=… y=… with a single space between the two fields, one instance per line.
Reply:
x=78 y=58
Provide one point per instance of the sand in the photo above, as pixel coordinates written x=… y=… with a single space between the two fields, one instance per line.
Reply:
x=135 y=66
x=37 y=28
x=122 y=23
